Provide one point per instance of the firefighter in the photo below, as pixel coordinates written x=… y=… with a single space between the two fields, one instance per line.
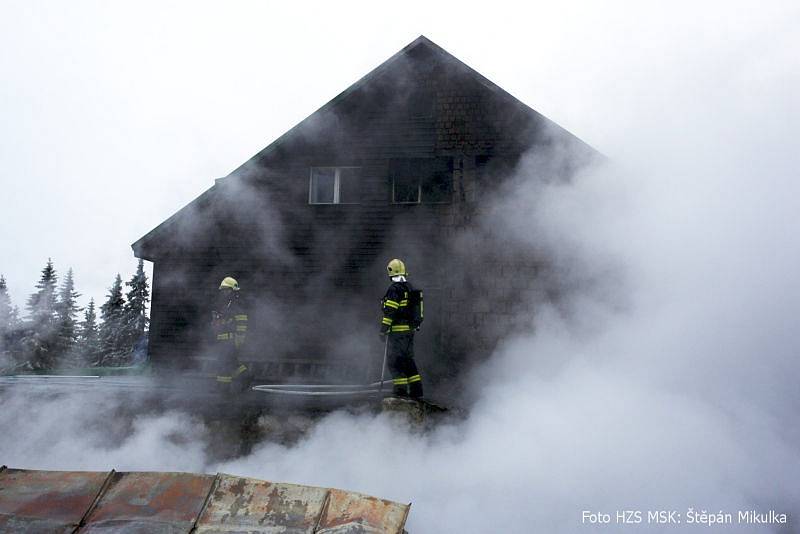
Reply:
x=402 y=315
x=229 y=322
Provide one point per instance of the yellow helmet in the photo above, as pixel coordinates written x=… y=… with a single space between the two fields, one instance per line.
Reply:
x=229 y=283
x=396 y=267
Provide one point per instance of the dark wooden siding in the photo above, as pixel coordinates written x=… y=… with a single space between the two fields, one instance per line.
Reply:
x=313 y=274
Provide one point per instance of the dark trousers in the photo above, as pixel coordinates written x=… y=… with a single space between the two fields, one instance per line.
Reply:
x=400 y=359
x=232 y=375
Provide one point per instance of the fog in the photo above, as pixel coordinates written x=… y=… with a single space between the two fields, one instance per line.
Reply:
x=664 y=378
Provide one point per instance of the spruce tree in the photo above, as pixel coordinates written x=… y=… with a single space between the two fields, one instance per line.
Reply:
x=8 y=325
x=111 y=330
x=135 y=311
x=66 y=312
x=40 y=335
x=42 y=304
x=88 y=348
x=7 y=319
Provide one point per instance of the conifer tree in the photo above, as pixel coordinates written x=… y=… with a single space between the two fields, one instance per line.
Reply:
x=66 y=311
x=88 y=347
x=42 y=304
x=135 y=312
x=111 y=329
x=40 y=336
x=7 y=318
x=8 y=327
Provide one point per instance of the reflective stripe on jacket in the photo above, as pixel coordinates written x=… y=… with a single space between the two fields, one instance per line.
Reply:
x=231 y=325
x=395 y=309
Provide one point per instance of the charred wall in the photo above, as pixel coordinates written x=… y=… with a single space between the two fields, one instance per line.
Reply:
x=313 y=274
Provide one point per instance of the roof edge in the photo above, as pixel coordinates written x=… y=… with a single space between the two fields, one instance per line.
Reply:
x=374 y=73
x=139 y=246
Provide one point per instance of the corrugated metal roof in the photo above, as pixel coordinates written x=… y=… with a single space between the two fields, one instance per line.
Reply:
x=244 y=504
x=149 y=502
x=46 y=501
x=353 y=512
x=83 y=502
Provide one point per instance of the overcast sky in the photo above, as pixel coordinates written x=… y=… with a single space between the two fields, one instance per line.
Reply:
x=115 y=115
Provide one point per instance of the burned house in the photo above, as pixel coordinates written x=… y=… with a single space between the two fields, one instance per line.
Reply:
x=400 y=164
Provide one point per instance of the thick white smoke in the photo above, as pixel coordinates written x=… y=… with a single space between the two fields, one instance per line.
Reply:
x=666 y=380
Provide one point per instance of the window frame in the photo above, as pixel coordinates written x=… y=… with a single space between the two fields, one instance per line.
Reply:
x=419 y=192
x=337 y=184
x=419 y=183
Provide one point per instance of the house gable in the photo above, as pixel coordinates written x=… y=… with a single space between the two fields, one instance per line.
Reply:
x=412 y=105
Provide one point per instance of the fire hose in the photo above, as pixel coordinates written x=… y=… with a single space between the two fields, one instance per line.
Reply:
x=317 y=390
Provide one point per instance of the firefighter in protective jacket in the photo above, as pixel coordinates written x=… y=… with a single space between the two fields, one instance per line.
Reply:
x=402 y=315
x=229 y=322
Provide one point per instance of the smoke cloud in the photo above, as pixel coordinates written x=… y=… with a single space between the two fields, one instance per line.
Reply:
x=664 y=377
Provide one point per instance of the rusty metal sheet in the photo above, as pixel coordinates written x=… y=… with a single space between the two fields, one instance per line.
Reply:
x=238 y=504
x=149 y=502
x=56 y=502
x=350 y=513
x=46 y=501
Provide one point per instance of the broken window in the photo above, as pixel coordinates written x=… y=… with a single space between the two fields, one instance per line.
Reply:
x=334 y=185
x=438 y=187
x=405 y=184
x=428 y=180
x=349 y=185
